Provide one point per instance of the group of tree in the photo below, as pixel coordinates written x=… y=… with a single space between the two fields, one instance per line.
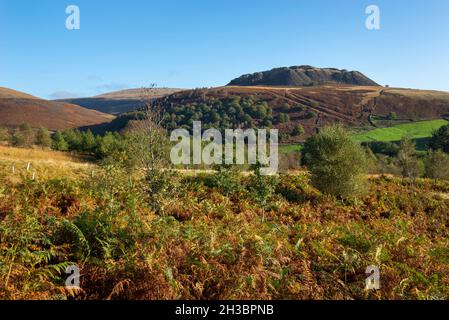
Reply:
x=229 y=112
x=86 y=142
x=73 y=140
x=25 y=136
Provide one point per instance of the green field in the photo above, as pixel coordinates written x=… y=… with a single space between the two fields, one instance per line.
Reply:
x=289 y=148
x=416 y=130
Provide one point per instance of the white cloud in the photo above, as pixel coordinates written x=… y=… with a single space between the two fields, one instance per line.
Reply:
x=63 y=95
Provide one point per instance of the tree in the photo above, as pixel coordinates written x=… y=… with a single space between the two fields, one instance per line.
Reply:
x=24 y=137
x=310 y=114
x=4 y=135
x=337 y=163
x=298 y=130
x=262 y=188
x=440 y=139
x=437 y=165
x=43 y=138
x=267 y=123
x=147 y=148
x=89 y=142
x=392 y=116
x=107 y=144
x=261 y=110
x=407 y=161
x=74 y=139
x=282 y=118
x=59 y=142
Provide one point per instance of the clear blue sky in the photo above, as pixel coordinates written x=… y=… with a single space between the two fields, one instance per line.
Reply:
x=199 y=43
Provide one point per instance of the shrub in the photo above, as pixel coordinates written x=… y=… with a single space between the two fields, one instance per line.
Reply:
x=226 y=179
x=336 y=162
x=437 y=165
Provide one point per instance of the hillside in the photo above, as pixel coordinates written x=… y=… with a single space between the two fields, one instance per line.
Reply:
x=299 y=76
x=311 y=107
x=120 y=101
x=17 y=108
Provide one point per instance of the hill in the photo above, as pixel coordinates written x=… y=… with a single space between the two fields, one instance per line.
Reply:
x=299 y=76
x=120 y=101
x=284 y=108
x=18 y=107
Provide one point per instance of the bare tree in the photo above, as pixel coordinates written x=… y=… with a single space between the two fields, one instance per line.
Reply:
x=149 y=140
x=150 y=146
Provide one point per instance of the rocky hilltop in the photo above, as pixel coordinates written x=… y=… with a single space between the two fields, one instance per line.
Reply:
x=303 y=76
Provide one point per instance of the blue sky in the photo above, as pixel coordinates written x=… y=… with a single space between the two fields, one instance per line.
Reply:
x=199 y=43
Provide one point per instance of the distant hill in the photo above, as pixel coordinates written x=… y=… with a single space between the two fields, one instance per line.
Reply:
x=18 y=107
x=300 y=76
x=120 y=101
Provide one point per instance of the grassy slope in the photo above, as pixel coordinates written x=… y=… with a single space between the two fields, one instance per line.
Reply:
x=44 y=163
x=418 y=131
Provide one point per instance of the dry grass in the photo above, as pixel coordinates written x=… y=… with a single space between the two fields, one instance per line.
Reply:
x=43 y=163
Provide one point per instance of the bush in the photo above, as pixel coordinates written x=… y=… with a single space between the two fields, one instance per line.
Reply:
x=437 y=165
x=336 y=162
x=226 y=179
